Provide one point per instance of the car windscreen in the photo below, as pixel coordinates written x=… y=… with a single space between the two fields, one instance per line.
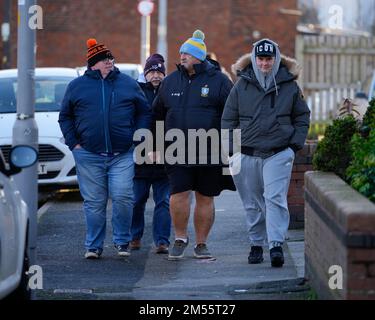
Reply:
x=130 y=72
x=49 y=93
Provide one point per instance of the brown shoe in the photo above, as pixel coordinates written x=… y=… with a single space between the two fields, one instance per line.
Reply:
x=161 y=249
x=135 y=244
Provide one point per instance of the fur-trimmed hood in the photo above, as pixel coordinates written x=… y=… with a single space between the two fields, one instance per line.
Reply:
x=245 y=61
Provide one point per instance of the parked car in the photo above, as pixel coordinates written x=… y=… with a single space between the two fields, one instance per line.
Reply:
x=131 y=69
x=14 y=217
x=56 y=162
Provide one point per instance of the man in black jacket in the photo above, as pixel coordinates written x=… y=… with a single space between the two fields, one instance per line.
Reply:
x=193 y=98
x=147 y=175
x=268 y=106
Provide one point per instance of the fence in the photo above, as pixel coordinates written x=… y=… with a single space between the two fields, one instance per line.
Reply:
x=334 y=67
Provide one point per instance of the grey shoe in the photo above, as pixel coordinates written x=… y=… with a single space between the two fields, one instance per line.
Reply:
x=201 y=251
x=177 y=251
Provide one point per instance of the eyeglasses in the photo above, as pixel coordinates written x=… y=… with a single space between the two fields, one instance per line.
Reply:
x=106 y=60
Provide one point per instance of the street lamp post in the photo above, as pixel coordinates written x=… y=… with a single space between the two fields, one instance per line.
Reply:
x=145 y=8
x=25 y=130
x=162 y=30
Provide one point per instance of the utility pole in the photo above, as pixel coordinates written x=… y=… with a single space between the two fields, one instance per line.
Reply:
x=162 y=30
x=25 y=130
x=145 y=38
x=145 y=8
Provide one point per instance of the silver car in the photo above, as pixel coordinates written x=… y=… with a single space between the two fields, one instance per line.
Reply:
x=56 y=163
x=14 y=224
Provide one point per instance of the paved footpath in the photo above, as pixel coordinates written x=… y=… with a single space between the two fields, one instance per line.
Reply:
x=148 y=276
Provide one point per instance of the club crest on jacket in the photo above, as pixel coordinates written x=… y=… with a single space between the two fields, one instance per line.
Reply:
x=204 y=91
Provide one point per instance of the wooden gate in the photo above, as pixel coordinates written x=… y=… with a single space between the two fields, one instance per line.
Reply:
x=334 y=68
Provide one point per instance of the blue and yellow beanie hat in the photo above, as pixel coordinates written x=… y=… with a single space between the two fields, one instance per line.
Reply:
x=195 y=46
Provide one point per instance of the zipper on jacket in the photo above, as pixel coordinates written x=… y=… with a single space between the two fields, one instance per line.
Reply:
x=186 y=90
x=104 y=118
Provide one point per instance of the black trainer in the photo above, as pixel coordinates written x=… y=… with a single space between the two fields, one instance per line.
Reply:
x=255 y=255
x=123 y=250
x=277 y=257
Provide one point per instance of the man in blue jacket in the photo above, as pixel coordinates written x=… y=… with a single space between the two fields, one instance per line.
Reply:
x=99 y=114
x=192 y=98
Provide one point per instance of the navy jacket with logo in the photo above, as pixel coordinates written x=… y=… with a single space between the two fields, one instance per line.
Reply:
x=193 y=102
x=102 y=114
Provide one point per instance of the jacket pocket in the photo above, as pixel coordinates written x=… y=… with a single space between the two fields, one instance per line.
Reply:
x=285 y=130
x=284 y=120
x=245 y=122
x=81 y=127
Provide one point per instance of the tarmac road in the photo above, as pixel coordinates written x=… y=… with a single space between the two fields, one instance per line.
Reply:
x=149 y=276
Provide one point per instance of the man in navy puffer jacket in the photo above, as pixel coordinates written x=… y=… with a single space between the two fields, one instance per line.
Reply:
x=192 y=99
x=100 y=112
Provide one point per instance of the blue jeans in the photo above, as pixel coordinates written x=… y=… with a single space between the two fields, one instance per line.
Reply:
x=161 y=225
x=100 y=178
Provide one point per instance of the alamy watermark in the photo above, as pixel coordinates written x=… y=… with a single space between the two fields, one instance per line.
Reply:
x=336 y=19
x=196 y=146
x=35 y=274
x=336 y=279
x=36 y=18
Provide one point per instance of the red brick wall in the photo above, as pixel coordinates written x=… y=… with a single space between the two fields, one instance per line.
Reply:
x=339 y=230
x=302 y=163
x=228 y=25
x=361 y=274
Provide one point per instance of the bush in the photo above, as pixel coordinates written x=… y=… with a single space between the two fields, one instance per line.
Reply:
x=334 y=152
x=361 y=172
x=316 y=130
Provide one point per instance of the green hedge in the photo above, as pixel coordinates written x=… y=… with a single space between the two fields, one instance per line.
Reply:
x=348 y=149
x=333 y=152
x=361 y=172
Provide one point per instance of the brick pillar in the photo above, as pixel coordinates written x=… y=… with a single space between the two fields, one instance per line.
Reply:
x=302 y=163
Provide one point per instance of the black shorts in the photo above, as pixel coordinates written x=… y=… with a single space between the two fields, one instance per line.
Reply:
x=207 y=180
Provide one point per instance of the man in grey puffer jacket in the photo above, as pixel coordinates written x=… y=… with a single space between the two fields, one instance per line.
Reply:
x=267 y=105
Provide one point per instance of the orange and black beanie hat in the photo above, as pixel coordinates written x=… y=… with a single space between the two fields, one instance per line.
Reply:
x=96 y=52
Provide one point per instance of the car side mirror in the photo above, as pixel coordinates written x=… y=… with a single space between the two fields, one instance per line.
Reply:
x=20 y=157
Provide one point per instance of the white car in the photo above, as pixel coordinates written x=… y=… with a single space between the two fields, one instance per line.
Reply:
x=131 y=69
x=14 y=219
x=56 y=162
